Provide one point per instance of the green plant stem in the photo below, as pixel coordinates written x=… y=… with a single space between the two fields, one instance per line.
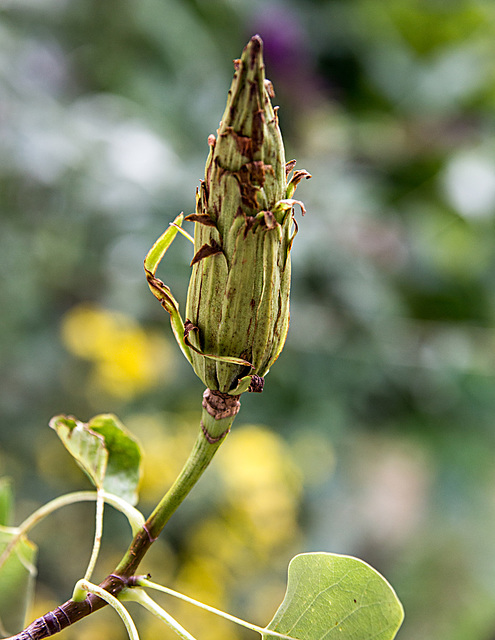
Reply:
x=100 y=504
x=200 y=457
x=211 y=435
x=141 y=597
x=134 y=516
x=113 y=602
x=144 y=582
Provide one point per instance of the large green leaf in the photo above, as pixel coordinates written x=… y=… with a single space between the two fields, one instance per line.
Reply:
x=6 y=501
x=333 y=596
x=17 y=576
x=105 y=450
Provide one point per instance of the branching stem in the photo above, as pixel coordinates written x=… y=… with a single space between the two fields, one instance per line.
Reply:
x=140 y=596
x=114 y=603
x=144 y=582
x=211 y=435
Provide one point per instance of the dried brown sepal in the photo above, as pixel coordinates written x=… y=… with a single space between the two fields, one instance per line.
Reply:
x=257 y=384
x=202 y=218
x=289 y=166
x=206 y=251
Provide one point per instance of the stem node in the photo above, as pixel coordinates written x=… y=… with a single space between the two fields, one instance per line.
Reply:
x=220 y=405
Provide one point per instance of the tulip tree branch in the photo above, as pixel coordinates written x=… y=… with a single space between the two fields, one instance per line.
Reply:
x=212 y=433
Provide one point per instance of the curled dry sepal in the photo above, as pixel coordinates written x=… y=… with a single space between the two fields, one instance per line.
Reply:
x=238 y=298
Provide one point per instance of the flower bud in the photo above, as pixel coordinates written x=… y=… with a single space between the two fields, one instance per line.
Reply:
x=238 y=297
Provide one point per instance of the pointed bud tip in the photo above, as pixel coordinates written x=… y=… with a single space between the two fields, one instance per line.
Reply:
x=256 y=41
x=254 y=52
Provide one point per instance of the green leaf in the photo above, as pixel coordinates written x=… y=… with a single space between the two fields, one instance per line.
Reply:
x=124 y=457
x=160 y=248
x=332 y=596
x=6 y=501
x=85 y=446
x=159 y=289
x=17 y=576
x=105 y=450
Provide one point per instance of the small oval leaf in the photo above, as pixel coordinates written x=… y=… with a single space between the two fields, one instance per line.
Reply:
x=333 y=596
x=105 y=450
x=124 y=457
x=86 y=447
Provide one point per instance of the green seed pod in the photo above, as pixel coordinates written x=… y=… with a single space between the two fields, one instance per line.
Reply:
x=238 y=297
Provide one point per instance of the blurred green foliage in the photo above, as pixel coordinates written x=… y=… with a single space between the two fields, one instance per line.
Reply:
x=381 y=435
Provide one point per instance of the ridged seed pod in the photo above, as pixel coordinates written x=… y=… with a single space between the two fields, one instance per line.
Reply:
x=238 y=297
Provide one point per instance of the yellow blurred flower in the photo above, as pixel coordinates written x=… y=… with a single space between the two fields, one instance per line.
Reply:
x=263 y=486
x=256 y=458
x=167 y=441
x=126 y=360
x=205 y=579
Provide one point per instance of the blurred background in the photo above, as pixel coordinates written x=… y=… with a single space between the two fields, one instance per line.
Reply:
x=375 y=434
